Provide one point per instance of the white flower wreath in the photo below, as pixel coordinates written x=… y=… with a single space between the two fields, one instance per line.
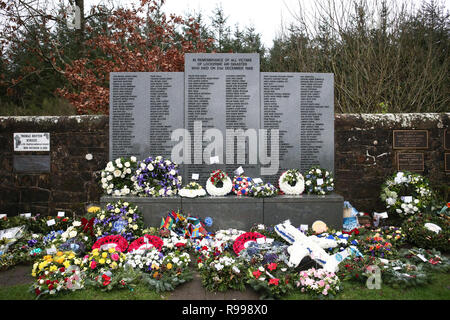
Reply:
x=291 y=182
x=192 y=190
x=219 y=184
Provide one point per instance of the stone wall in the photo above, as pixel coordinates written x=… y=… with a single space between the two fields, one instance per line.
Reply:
x=364 y=157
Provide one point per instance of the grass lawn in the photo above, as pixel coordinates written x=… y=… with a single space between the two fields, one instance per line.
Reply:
x=439 y=289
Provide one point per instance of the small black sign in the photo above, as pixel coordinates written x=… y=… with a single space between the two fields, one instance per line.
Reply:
x=31 y=164
x=410 y=162
x=447 y=162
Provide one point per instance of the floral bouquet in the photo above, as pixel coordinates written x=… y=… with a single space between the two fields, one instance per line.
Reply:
x=431 y=260
x=406 y=193
x=116 y=177
x=219 y=184
x=291 y=182
x=393 y=234
x=319 y=181
x=272 y=280
x=319 y=283
x=119 y=218
x=405 y=275
x=223 y=273
x=56 y=273
x=419 y=235
x=156 y=178
x=192 y=190
x=263 y=191
x=377 y=247
x=167 y=272
x=242 y=185
x=105 y=269
x=356 y=268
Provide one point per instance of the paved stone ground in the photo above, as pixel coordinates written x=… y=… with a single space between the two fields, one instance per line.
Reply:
x=20 y=274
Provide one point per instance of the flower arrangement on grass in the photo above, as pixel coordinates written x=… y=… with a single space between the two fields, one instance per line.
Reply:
x=116 y=177
x=223 y=273
x=263 y=191
x=219 y=184
x=291 y=182
x=242 y=185
x=431 y=260
x=104 y=269
x=271 y=279
x=55 y=273
x=395 y=235
x=157 y=177
x=406 y=193
x=169 y=271
x=405 y=275
x=419 y=235
x=319 y=283
x=377 y=246
x=319 y=181
x=192 y=190
x=356 y=268
x=119 y=218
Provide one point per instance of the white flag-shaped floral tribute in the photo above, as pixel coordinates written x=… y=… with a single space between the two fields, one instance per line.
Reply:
x=406 y=193
x=116 y=178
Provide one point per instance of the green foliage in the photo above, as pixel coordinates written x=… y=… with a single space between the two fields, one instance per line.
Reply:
x=420 y=236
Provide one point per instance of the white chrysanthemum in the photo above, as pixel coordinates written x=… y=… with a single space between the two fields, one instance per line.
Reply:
x=296 y=189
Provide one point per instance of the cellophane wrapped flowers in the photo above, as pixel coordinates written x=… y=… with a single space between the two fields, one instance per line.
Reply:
x=157 y=177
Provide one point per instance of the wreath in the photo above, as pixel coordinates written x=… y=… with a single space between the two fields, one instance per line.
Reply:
x=192 y=190
x=242 y=185
x=146 y=242
x=116 y=177
x=418 y=234
x=319 y=181
x=117 y=242
x=218 y=184
x=244 y=240
x=406 y=193
x=156 y=178
x=291 y=182
x=264 y=191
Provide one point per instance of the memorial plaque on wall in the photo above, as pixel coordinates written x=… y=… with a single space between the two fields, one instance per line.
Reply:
x=301 y=107
x=31 y=163
x=33 y=141
x=447 y=139
x=222 y=97
x=145 y=108
x=410 y=139
x=410 y=162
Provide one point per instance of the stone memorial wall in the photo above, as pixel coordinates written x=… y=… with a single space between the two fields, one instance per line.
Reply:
x=364 y=157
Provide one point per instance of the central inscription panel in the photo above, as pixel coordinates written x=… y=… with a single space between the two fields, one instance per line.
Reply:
x=222 y=93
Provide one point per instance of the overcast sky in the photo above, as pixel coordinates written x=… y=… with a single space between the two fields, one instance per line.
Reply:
x=267 y=16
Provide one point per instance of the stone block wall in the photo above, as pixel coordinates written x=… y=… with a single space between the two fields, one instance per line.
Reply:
x=364 y=157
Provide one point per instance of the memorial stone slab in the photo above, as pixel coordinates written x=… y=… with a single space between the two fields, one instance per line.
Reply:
x=305 y=209
x=301 y=107
x=145 y=108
